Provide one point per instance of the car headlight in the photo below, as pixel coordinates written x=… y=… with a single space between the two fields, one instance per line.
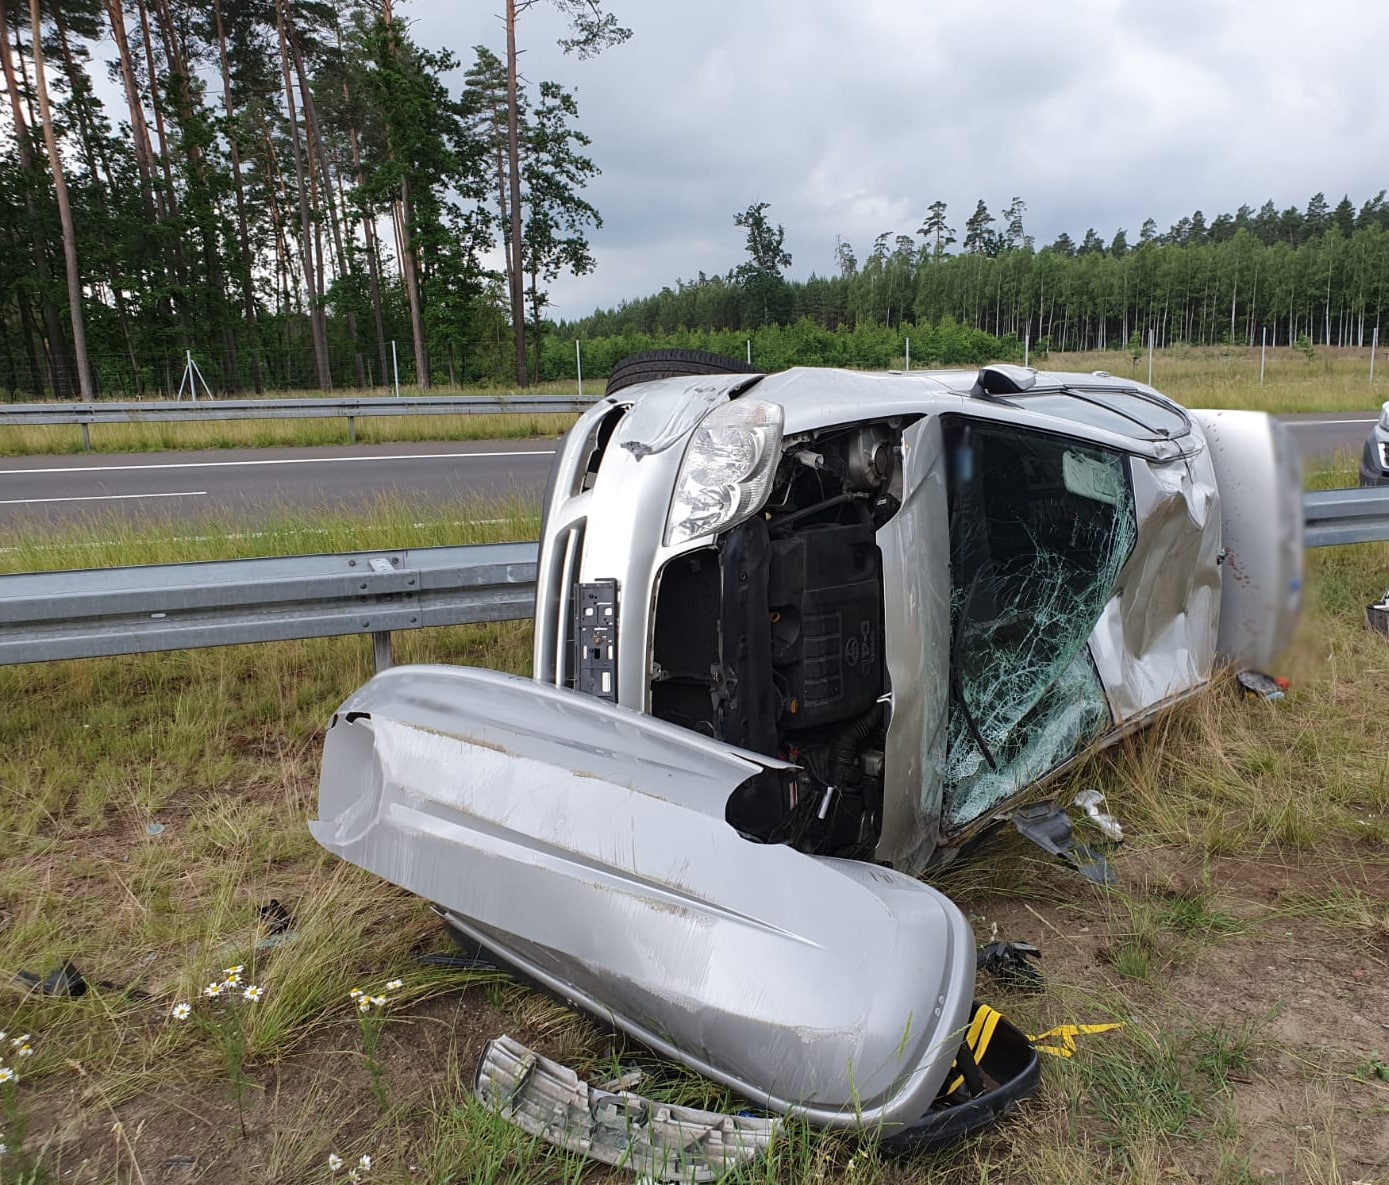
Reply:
x=727 y=470
x=1384 y=417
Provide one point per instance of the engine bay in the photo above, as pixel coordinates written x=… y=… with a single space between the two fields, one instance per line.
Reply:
x=771 y=639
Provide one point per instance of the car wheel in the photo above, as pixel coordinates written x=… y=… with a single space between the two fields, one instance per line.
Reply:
x=669 y=364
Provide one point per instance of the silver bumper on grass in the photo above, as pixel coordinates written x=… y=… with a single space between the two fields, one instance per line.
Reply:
x=585 y=846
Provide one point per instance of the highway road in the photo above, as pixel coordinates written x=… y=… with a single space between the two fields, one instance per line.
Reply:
x=246 y=483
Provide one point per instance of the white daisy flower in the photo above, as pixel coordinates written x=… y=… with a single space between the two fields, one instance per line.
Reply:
x=180 y=1011
x=237 y=970
x=379 y=1001
x=213 y=990
x=252 y=993
x=365 y=1164
x=364 y=1004
x=395 y=985
x=6 y=1074
x=354 y=993
x=334 y=1162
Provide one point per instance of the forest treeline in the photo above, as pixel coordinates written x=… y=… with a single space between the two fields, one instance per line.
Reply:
x=1319 y=274
x=293 y=194
x=287 y=192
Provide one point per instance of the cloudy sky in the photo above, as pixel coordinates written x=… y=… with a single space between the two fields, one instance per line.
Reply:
x=851 y=116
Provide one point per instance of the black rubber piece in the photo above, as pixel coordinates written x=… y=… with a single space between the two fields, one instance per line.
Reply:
x=670 y=364
x=1010 y=1061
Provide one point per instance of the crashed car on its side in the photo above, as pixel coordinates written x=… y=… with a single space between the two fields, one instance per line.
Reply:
x=798 y=637
x=1374 y=457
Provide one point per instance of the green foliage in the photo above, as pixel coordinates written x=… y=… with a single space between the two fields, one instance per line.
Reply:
x=801 y=343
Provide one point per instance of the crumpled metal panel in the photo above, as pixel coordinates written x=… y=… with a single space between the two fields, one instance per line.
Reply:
x=657 y=1141
x=915 y=546
x=1260 y=474
x=586 y=845
x=1156 y=639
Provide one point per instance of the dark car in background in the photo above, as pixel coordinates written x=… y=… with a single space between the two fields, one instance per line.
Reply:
x=1374 y=459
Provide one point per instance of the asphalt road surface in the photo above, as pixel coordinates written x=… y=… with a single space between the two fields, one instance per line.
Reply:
x=247 y=483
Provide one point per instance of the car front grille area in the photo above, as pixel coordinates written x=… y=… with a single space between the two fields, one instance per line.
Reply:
x=568 y=546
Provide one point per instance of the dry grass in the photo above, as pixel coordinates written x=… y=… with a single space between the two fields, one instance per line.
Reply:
x=1228 y=376
x=227 y=434
x=1216 y=376
x=149 y=805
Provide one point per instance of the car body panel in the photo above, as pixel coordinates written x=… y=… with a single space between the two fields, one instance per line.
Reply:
x=1260 y=479
x=916 y=555
x=586 y=846
x=1374 y=457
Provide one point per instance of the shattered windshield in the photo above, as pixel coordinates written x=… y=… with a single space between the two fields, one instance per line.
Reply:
x=1129 y=413
x=1040 y=527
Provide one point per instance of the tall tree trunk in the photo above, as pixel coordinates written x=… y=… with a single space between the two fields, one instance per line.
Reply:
x=243 y=236
x=139 y=128
x=513 y=148
x=405 y=229
x=59 y=372
x=179 y=266
x=373 y=251
x=99 y=168
x=318 y=151
x=317 y=322
x=214 y=287
x=50 y=140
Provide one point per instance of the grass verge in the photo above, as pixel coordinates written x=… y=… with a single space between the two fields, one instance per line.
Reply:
x=1329 y=380
x=154 y=806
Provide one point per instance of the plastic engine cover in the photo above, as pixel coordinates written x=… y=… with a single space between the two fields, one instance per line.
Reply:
x=825 y=600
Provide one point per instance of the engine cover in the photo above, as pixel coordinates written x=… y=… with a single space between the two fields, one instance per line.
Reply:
x=825 y=601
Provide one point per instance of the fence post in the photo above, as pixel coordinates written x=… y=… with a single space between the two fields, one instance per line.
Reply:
x=1263 y=352
x=395 y=369
x=909 y=353
x=1150 y=357
x=1374 y=344
x=579 y=367
x=1026 y=348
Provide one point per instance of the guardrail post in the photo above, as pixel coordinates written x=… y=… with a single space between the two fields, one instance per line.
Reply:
x=351 y=430
x=381 y=649
x=86 y=438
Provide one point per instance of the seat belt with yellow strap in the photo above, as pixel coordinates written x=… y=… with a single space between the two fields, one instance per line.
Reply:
x=981 y=1032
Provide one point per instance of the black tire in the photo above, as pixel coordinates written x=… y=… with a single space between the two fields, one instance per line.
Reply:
x=669 y=364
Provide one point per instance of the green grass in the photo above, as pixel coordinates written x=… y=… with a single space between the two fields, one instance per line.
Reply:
x=1244 y=948
x=1216 y=376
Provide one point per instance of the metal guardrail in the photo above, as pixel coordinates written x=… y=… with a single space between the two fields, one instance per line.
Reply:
x=174 y=411
x=1334 y=517
x=46 y=616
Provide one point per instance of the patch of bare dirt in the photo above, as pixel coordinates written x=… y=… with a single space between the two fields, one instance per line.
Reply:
x=1306 y=978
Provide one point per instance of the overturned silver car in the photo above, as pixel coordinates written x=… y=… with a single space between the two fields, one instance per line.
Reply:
x=798 y=637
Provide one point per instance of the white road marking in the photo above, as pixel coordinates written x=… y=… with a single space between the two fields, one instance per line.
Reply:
x=101 y=498
x=277 y=461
